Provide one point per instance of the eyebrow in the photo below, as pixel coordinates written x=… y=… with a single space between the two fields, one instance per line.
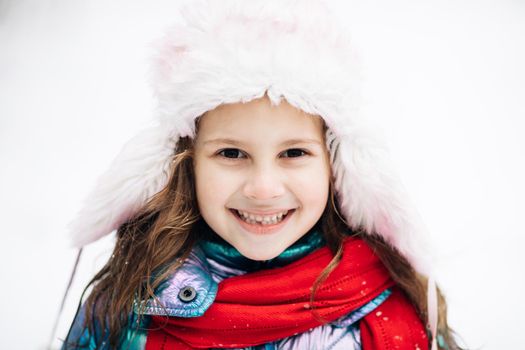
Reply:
x=285 y=143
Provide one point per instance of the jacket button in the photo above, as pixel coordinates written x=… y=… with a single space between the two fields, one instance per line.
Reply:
x=187 y=294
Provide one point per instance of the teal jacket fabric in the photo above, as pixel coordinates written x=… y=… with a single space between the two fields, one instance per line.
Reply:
x=211 y=261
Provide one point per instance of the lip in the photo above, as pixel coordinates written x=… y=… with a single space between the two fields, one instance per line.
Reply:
x=262 y=212
x=260 y=229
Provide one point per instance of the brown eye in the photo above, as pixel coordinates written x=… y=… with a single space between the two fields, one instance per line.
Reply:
x=295 y=153
x=231 y=153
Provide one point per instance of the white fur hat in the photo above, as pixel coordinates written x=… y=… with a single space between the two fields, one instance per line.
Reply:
x=237 y=50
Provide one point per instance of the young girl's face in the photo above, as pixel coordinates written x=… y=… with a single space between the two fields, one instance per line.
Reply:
x=262 y=175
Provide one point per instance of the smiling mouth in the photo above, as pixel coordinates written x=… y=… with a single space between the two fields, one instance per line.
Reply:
x=262 y=220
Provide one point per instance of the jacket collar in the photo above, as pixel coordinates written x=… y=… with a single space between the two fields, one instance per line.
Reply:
x=190 y=290
x=221 y=252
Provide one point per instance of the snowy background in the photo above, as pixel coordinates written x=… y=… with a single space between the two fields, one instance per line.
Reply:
x=447 y=76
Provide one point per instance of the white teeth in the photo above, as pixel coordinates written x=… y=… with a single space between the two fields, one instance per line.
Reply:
x=262 y=219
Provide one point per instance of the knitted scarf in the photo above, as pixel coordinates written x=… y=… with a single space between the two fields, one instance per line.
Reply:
x=268 y=305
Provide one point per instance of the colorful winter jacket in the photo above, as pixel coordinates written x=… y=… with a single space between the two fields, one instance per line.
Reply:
x=209 y=263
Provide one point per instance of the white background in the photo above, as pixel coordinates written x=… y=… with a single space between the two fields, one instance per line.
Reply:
x=446 y=76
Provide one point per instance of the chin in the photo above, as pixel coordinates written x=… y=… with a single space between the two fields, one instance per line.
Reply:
x=259 y=254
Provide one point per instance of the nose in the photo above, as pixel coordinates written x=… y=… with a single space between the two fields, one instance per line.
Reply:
x=264 y=181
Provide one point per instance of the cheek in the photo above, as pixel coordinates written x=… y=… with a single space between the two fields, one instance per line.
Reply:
x=212 y=186
x=312 y=185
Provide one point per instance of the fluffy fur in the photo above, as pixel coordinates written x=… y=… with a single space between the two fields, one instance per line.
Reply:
x=236 y=50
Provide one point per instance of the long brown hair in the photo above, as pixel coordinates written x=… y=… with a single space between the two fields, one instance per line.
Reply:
x=155 y=242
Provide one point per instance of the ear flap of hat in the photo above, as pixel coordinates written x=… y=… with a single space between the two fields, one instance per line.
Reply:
x=372 y=198
x=139 y=171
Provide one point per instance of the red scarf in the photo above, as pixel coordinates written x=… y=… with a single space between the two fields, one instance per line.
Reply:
x=268 y=305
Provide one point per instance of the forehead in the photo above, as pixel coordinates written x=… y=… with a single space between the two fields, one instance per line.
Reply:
x=259 y=116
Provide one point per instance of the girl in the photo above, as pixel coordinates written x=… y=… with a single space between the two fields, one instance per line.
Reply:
x=260 y=212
